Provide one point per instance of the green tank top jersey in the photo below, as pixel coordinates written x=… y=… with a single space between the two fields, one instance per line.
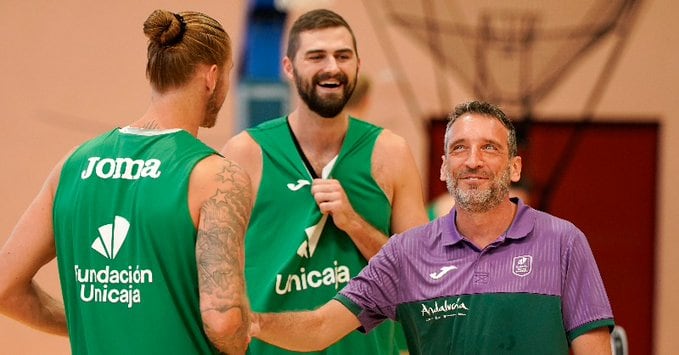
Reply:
x=286 y=267
x=125 y=244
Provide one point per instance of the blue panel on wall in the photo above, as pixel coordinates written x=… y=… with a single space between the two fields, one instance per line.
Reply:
x=260 y=101
x=262 y=93
x=262 y=52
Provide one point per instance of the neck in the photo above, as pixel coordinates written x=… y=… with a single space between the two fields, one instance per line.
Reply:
x=319 y=134
x=483 y=228
x=319 y=138
x=174 y=109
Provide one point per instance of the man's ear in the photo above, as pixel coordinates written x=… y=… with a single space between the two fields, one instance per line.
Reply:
x=515 y=166
x=442 y=172
x=288 y=68
x=212 y=78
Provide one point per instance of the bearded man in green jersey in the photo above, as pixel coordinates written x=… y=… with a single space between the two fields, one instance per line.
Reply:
x=325 y=194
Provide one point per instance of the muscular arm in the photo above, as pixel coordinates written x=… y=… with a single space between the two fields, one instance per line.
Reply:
x=224 y=190
x=394 y=169
x=245 y=152
x=595 y=342
x=29 y=248
x=306 y=331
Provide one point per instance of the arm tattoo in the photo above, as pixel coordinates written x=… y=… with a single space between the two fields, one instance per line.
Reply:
x=219 y=246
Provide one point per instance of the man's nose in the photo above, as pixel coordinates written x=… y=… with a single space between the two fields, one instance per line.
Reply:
x=331 y=65
x=474 y=159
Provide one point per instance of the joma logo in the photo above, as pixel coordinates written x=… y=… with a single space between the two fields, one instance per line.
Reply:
x=121 y=168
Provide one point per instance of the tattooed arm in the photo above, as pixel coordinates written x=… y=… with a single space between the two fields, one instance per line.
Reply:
x=221 y=204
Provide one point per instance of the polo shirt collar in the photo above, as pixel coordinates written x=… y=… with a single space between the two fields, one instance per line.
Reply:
x=523 y=224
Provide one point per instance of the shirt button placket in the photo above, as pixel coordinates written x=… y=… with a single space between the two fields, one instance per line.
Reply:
x=481 y=274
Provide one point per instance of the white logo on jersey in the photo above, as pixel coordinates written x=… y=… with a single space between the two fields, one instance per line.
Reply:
x=121 y=168
x=335 y=276
x=111 y=237
x=444 y=270
x=313 y=234
x=438 y=311
x=108 y=285
x=300 y=184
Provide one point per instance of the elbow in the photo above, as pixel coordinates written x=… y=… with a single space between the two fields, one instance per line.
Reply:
x=8 y=298
x=3 y=302
x=229 y=323
x=227 y=330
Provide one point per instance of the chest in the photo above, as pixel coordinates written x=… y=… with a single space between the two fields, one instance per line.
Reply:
x=515 y=267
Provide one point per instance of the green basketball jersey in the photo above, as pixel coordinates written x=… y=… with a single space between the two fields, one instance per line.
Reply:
x=125 y=244
x=286 y=268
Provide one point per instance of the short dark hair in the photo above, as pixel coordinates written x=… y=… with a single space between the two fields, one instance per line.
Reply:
x=178 y=43
x=486 y=109
x=315 y=20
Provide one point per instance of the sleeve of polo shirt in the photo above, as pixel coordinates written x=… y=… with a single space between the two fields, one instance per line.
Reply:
x=372 y=294
x=585 y=304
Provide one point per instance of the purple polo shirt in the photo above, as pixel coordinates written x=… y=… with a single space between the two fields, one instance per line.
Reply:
x=539 y=276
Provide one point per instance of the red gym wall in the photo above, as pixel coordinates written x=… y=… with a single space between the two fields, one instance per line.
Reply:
x=607 y=187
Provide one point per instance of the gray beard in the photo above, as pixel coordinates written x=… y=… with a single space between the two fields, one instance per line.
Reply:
x=477 y=200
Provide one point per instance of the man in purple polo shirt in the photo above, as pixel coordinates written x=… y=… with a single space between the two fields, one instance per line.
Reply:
x=493 y=276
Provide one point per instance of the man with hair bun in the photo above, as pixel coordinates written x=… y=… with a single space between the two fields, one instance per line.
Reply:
x=146 y=221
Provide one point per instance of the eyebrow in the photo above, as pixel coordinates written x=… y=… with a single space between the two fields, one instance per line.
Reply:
x=485 y=141
x=323 y=51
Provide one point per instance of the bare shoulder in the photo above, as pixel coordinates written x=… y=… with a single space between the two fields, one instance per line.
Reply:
x=242 y=149
x=52 y=181
x=247 y=153
x=218 y=171
x=391 y=158
x=388 y=146
x=395 y=170
x=218 y=178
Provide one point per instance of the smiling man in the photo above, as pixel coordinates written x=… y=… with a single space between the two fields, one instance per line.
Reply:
x=494 y=276
x=328 y=189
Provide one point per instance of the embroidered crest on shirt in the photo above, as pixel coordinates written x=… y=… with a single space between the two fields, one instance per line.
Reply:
x=522 y=265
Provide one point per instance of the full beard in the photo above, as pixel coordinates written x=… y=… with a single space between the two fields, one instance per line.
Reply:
x=476 y=199
x=329 y=106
